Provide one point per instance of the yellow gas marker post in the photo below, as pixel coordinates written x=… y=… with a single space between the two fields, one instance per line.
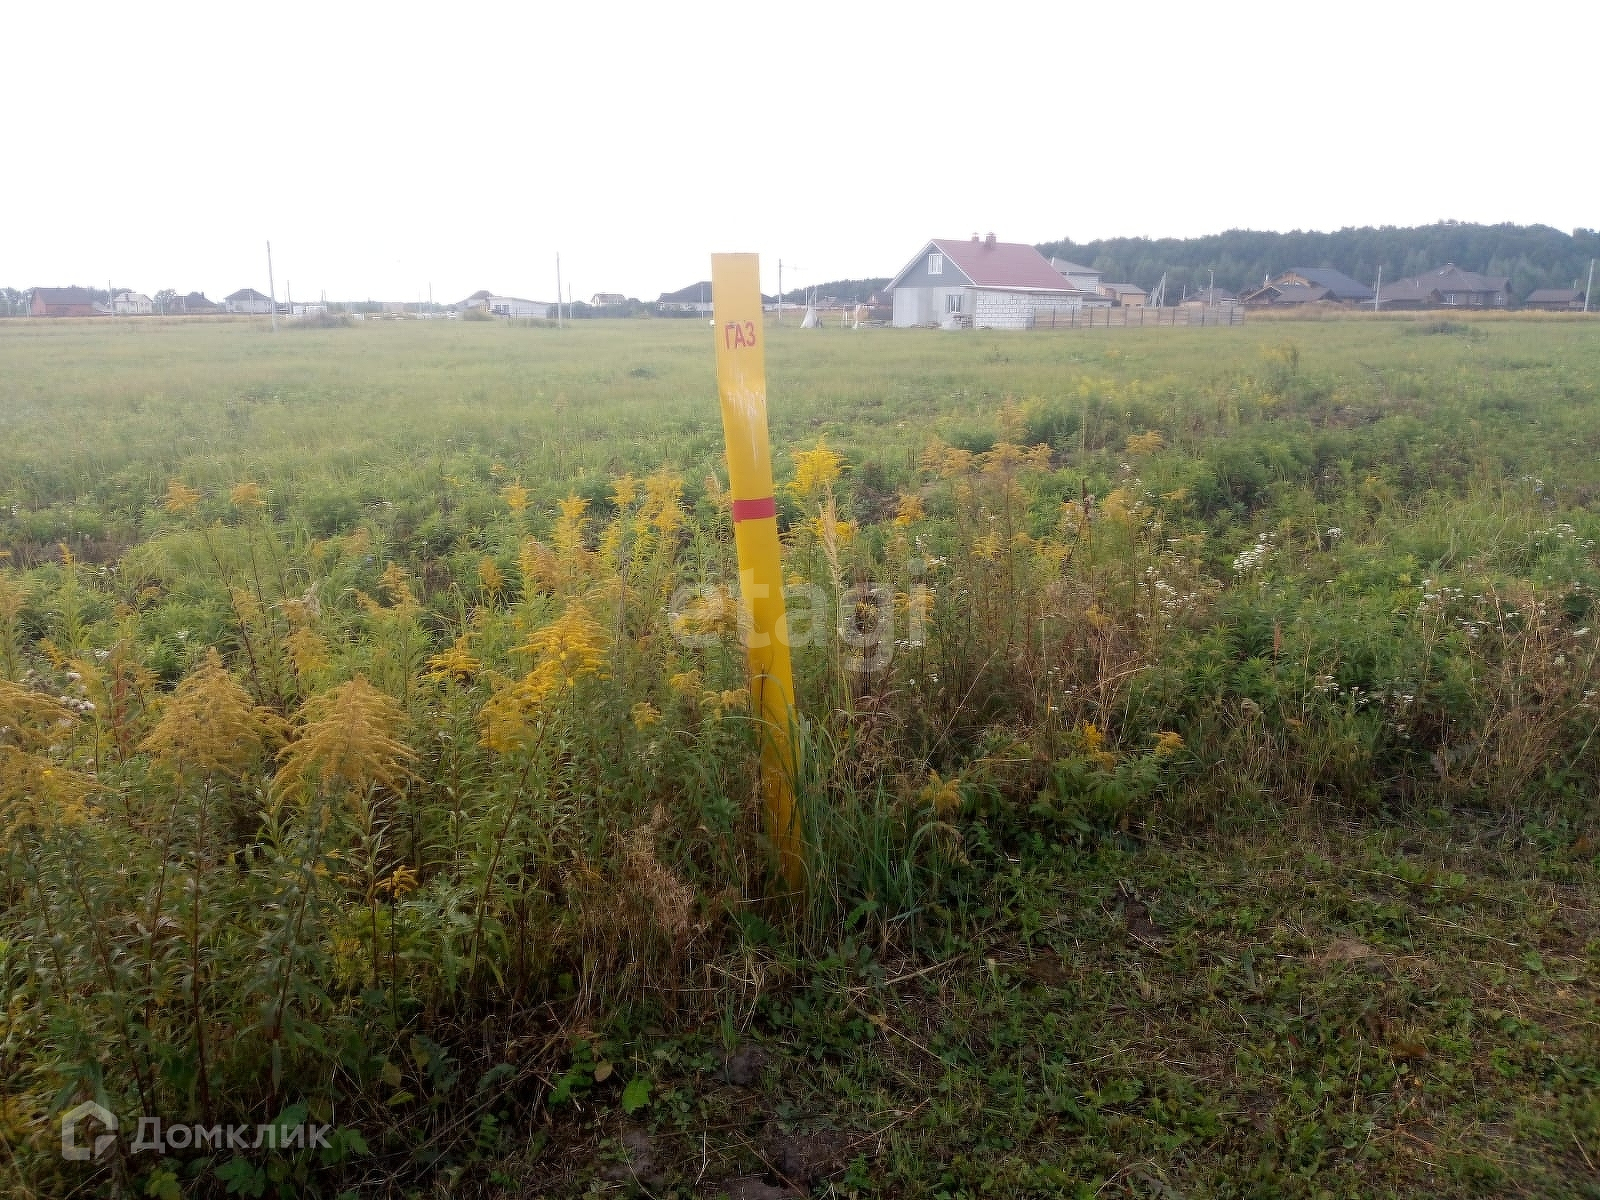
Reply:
x=742 y=386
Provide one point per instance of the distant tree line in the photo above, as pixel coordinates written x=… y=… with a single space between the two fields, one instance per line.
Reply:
x=850 y=291
x=1534 y=256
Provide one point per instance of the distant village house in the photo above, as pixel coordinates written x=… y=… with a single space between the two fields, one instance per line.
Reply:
x=1308 y=285
x=602 y=299
x=132 y=304
x=62 y=302
x=1082 y=279
x=1288 y=295
x=510 y=307
x=1448 y=287
x=248 y=300
x=979 y=283
x=1555 y=299
x=1125 y=295
x=694 y=300
x=195 y=304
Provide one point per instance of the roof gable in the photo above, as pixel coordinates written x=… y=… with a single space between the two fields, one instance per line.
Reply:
x=918 y=264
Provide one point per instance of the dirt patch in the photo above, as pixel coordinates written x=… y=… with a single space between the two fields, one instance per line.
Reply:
x=642 y=1163
x=750 y=1187
x=804 y=1158
x=1347 y=950
x=744 y=1067
x=1137 y=921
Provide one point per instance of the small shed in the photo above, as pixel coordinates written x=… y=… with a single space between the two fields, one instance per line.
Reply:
x=1126 y=295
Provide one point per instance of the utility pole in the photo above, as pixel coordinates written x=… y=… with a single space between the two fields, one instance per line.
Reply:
x=780 y=291
x=558 y=291
x=1589 y=287
x=1377 y=291
x=272 y=291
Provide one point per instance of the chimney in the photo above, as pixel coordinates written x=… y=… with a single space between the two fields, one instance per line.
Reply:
x=989 y=241
x=974 y=239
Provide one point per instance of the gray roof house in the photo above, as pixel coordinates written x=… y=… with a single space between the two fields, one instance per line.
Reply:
x=248 y=300
x=1447 y=287
x=1287 y=294
x=982 y=283
x=1309 y=285
x=1340 y=286
x=1084 y=279
x=694 y=300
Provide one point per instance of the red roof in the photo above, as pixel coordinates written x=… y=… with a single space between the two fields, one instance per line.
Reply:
x=1002 y=264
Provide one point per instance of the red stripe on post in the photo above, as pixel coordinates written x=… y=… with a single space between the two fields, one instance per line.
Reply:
x=754 y=510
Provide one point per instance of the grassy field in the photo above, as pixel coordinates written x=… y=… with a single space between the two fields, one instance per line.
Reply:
x=1203 y=803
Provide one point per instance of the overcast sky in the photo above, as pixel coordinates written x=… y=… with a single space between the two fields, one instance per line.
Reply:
x=386 y=147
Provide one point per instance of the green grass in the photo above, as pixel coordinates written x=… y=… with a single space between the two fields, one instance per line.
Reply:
x=1343 y=942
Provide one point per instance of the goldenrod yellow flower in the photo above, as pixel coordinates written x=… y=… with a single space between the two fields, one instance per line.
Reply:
x=516 y=496
x=941 y=795
x=685 y=684
x=180 y=498
x=909 y=510
x=307 y=651
x=456 y=662
x=1144 y=443
x=245 y=495
x=397 y=883
x=490 y=576
x=815 y=470
x=349 y=740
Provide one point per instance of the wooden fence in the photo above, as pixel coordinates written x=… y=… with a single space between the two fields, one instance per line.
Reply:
x=1121 y=318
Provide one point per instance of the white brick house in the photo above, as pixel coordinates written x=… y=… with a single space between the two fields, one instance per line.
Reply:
x=979 y=283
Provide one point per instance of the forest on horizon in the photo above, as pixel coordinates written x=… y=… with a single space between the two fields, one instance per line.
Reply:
x=1534 y=256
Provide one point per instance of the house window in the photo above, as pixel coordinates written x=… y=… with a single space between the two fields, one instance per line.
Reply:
x=935 y=264
x=952 y=302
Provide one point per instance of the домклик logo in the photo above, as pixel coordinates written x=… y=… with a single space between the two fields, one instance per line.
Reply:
x=71 y=1149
